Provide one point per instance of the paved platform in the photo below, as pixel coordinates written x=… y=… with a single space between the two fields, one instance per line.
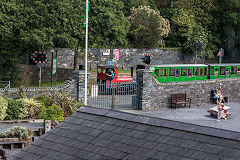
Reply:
x=198 y=115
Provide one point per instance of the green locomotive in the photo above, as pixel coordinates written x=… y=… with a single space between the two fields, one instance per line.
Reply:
x=192 y=72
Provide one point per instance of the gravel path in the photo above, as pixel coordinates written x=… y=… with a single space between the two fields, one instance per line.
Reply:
x=199 y=115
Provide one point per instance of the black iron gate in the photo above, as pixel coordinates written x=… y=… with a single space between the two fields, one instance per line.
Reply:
x=114 y=95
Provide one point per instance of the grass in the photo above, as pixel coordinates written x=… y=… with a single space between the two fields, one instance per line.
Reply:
x=43 y=84
x=60 y=82
x=119 y=71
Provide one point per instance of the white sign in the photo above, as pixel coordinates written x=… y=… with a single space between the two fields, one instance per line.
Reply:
x=106 y=53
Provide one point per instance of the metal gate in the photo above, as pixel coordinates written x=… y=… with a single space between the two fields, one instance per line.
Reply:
x=113 y=95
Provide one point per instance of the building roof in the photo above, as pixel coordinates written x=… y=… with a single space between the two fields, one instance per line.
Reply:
x=93 y=133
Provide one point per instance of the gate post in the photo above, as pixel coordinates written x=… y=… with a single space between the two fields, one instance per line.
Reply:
x=144 y=89
x=79 y=77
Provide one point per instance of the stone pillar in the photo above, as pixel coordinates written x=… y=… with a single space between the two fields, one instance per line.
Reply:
x=144 y=89
x=79 y=77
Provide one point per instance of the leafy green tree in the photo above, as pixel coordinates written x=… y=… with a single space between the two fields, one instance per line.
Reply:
x=229 y=26
x=108 y=27
x=27 y=25
x=146 y=29
x=193 y=21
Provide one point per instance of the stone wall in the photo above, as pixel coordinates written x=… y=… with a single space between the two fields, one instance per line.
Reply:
x=127 y=58
x=31 y=73
x=74 y=86
x=157 y=95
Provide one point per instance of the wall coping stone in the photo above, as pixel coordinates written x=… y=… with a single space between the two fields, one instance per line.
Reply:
x=198 y=81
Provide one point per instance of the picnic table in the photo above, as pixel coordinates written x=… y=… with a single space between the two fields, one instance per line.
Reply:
x=214 y=111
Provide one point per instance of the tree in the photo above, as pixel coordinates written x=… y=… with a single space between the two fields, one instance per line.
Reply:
x=108 y=27
x=27 y=25
x=193 y=21
x=147 y=27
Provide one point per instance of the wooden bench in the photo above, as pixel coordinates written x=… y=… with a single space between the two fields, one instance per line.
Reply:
x=12 y=145
x=180 y=98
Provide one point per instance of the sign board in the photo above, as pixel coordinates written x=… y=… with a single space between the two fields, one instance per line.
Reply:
x=106 y=52
x=111 y=63
x=220 y=52
x=54 y=66
x=116 y=52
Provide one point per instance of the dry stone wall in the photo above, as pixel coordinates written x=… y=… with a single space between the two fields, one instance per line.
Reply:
x=155 y=95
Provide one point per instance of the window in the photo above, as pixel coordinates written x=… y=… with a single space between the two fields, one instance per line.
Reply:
x=212 y=71
x=201 y=72
x=160 y=72
x=216 y=72
x=171 y=71
x=233 y=70
x=195 y=71
x=222 y=70
x=205 y=71
x=156 y=73
x=165 y=73
x=184 y=72
x=177 y=72
x=189 y=72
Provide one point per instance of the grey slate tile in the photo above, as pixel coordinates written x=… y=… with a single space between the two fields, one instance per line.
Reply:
x=190 y=144
x=114 y=145
x=93 y=110
x=153 y=129
x=209 y=148
x=107 y=127
x=132 y=157
x=82 y=115
x=174 y=141
x=149 y=144
x=85 y=130
x=95 y=132
x=199 y=155
x=142 y=127
x=112 y=121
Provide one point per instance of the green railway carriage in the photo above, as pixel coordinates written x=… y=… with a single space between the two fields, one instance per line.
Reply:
x=180 y=72
x=227 y=70
x=192 y=72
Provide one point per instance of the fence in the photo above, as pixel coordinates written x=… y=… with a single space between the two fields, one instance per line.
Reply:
x=113 y=95
x=4 y=84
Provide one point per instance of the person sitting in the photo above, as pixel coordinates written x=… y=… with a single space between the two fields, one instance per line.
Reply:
x=220 y=114
x=214 y=94
x=111 y=76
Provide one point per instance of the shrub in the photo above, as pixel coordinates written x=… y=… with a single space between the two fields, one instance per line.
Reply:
x=3 y=108
x=64 y=100
x=52 y=113
x=13 y=110
x=31 y=105
x=16 y=132
x=45 y=100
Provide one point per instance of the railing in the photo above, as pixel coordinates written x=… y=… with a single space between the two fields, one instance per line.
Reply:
x=114 y=95
x=5 y=84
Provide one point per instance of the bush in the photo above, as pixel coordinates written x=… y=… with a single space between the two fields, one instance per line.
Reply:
x=52 y=113
x=13 y=110
x=45 y=100
x=16 y=132
x=30 y=105
x=64 y=100
x=3 y=108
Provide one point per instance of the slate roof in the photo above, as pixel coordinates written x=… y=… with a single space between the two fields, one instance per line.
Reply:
x=93 y=133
